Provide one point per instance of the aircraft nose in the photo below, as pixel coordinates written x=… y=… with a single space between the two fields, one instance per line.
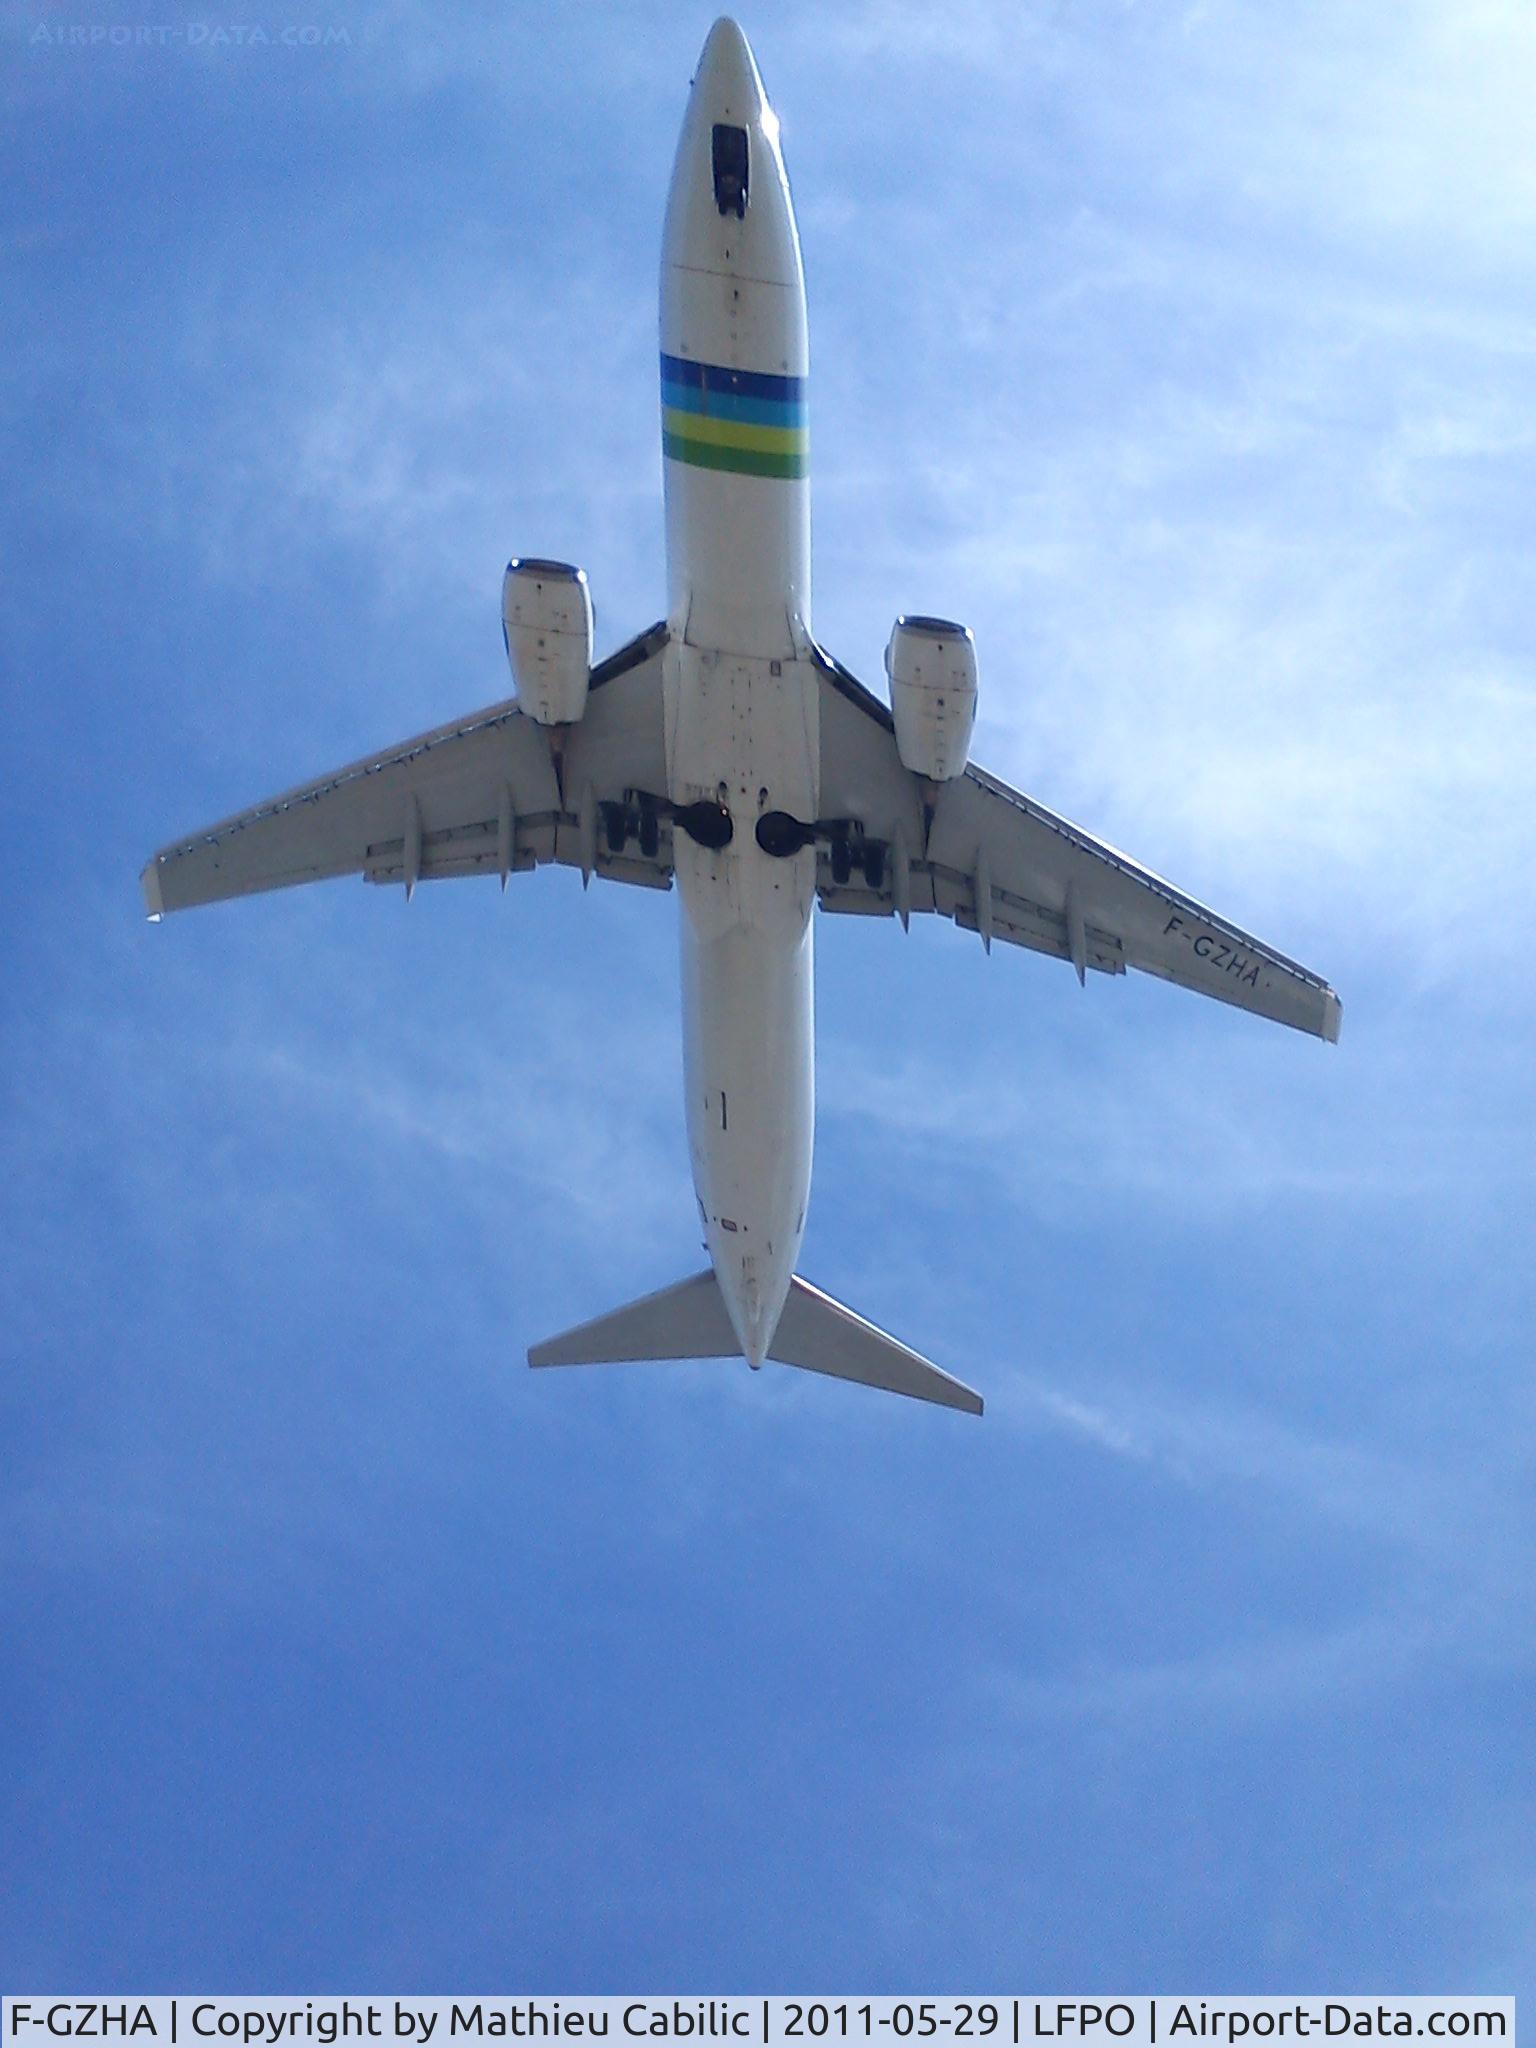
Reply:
x=728 y=71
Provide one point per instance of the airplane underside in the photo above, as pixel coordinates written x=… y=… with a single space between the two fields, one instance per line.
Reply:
x=725 y=750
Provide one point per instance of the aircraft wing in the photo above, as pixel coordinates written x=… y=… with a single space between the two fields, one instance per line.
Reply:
x=477 y=797
x=997 y=862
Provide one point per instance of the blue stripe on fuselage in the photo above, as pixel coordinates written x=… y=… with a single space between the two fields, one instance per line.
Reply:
x=732 y=405
x=694 y=380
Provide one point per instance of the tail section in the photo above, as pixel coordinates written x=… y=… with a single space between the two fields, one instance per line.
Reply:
x=821 y=1335
x=685 y=1321
x=815 y=1332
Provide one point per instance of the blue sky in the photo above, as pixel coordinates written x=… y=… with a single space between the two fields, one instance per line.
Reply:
x=1186 y=351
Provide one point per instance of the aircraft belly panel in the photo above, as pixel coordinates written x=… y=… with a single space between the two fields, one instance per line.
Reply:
x=744 y=731
x=750 y=1095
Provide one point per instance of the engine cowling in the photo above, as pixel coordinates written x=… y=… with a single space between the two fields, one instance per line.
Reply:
x=931 y=664
x=546 y=620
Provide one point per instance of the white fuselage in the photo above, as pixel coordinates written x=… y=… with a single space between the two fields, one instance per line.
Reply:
x=741 y=700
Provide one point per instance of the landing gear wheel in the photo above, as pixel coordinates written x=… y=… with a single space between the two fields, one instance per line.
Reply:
x=650 y=833
x=615 y=827
x=874 y=865
x=842 y=860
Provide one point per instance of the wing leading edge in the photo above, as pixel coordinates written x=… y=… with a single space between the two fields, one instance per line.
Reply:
x=1000 y=864
x=481 y=796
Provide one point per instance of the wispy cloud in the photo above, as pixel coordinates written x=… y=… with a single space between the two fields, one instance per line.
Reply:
x=1187 y=352
x=584 y=1135
x=1103 y=1107
x=1448 y=1531
x=1222 y=458
x=1417 y=1507
x=1275 y=1678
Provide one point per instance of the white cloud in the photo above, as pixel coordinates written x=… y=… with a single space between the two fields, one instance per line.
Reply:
x=1415 y=122
x=1215 y=428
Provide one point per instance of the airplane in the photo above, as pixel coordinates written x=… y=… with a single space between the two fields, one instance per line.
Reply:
x=726 y=750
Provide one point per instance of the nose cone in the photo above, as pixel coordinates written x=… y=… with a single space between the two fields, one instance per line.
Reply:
x=727 y=77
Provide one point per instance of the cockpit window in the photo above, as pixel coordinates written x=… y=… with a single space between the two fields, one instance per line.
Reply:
x=730 y=158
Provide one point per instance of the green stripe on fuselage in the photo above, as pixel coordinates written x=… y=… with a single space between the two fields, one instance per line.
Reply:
x=777 y=462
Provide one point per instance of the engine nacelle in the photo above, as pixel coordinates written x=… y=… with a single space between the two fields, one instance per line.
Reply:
x=546 y=620
x=932 y=668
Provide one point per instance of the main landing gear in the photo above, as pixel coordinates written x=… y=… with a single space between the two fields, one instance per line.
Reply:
x=782 y=836
x=639 y=818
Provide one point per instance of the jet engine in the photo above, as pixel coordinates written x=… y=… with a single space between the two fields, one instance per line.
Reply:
x=931 y=664
x=546 y=620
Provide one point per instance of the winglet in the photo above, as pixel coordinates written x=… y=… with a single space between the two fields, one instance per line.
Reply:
x=149 y=882
x=1333 y=1016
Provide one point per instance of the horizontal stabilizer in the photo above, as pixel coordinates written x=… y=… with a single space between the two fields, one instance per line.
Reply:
x=685 y=1321
x=815 y=1332
x=821 y=1335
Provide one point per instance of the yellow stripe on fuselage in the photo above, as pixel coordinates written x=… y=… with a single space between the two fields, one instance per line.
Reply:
x=723 y=433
